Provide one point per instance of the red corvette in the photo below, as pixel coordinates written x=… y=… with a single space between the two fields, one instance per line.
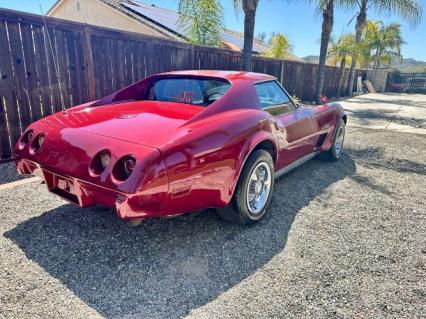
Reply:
x=180 y=142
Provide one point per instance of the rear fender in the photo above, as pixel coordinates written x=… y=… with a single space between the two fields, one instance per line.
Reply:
x=204 y=165
x=250 y=145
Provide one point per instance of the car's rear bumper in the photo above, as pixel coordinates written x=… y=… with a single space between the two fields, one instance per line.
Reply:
x=86 y=194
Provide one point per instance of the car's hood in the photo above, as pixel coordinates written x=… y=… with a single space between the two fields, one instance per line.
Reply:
x=148 y=123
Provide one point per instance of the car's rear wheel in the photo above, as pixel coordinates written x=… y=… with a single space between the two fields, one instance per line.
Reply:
x=335 y=151
x=254 y=190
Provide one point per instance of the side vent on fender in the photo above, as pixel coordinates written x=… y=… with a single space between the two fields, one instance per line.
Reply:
x=321 y=139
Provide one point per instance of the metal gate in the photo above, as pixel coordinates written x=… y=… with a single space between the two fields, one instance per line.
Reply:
x=406 y=82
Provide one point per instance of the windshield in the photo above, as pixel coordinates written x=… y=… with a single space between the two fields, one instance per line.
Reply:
x=201 y=92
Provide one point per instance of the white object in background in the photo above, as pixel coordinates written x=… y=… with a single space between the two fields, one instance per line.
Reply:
x=359 y=85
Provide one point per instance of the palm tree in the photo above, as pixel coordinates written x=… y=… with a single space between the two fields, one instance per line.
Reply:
x=203 y=20
x=341 y=52
x=363 y=54
x=327 y=8
x=249 y=8
x=410 y=10
x=384 y=41
x=279 y=46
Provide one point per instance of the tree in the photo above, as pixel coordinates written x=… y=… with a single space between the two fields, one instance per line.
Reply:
x=363 y=54
x=410 y=10
x=249 y=8
x=203 y=20
x=279 y=46
x=384 y=42
x=262 y=36
x=341 y=52
x=327 y=7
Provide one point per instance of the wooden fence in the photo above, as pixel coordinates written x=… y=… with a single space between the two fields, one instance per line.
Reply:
x=42 y=58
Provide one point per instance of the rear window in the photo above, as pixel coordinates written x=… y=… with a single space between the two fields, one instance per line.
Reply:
x=201 y=92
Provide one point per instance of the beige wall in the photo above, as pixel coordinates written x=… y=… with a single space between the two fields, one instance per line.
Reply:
x=379 y=82
x=100 y=14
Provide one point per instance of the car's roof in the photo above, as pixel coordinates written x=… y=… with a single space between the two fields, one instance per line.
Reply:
x=229 y=75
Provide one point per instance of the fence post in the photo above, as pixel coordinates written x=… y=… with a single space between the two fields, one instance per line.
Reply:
x=90 y=68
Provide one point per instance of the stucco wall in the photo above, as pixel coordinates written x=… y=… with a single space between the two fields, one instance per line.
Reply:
x=100 y=14
x=379 y=82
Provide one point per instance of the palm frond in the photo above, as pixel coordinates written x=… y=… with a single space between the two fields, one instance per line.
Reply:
x=409 y=10
x=203 y=19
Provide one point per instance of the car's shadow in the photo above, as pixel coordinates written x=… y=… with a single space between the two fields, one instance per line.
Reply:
x=166 y=267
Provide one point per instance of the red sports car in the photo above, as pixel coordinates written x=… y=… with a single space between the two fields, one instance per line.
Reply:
x=179 y=142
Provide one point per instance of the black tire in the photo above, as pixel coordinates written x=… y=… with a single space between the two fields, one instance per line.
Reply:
x=237 y=211
x=333 y=155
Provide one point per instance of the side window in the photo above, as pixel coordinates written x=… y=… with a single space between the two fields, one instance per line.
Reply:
x=273 y=99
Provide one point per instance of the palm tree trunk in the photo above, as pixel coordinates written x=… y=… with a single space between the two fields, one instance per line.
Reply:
x=359 y=29
x=249 y=7
x=327 y=26
x=375 y=66
x=341 y=76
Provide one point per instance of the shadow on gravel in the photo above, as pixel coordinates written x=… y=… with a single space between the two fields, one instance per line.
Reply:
x=398 y=100
x=166 y=267
x=374 y=158
x=386 y=115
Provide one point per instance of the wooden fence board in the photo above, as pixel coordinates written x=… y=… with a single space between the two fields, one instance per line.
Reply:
x=139 y=57
x=54 y=73
x=62 y=67
x=120 y=72
x=107 y=58
x=31 y=72
x=18 y=69
x=5 y=147
x=41 y=70
x=73 y=68
x=7 y=102
x=10 y=86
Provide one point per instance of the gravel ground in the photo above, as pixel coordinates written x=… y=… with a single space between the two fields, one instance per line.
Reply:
x=8 y=173
x=343 y=239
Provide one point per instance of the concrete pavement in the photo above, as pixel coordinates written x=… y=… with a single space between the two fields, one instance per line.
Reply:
x=396 y=112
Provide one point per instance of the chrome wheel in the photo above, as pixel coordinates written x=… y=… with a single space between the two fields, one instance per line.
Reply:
x=259 y=187
x=340 y=137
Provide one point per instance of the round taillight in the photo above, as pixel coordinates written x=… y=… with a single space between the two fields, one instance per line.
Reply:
x=129 y=164
x=100 y=162
x=37 y=143
x=124 y=168
x=25 y=139
x=105 y=159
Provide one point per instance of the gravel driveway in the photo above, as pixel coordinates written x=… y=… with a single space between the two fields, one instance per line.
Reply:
x=345 y=239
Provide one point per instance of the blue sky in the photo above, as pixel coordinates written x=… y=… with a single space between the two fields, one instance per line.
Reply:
x=298 y=20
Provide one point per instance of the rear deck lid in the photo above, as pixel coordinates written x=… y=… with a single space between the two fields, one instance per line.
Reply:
x=149 y=123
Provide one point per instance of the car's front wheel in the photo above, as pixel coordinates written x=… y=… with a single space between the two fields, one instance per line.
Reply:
x=254 y=190
x=335 y=151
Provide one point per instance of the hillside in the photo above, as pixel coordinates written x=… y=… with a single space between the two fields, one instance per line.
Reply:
x=411 y=65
